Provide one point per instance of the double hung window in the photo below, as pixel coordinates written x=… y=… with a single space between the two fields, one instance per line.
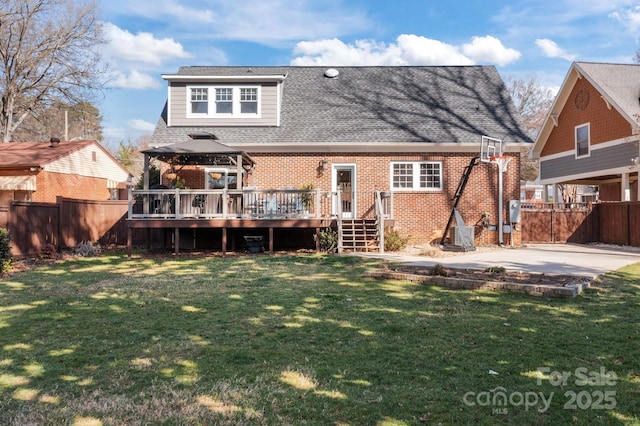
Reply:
x=223 y=102
x=582 y=140
x=416 y=176
x=199 y=100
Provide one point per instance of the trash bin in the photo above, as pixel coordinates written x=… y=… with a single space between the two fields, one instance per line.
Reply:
x=254 y=243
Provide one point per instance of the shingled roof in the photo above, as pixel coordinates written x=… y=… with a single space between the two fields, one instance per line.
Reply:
x=617 y=84
x=17 y=155
x=372 y=105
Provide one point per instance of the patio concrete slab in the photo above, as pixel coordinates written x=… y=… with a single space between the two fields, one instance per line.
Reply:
x=588 y=260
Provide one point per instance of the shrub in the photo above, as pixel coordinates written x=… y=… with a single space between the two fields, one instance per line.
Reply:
x=306 y=199
x=440 y=270
x=87 y=248
x=6 y=260
x=393 y=241
x=49 y=251
x=328 y=240
x=496 y=269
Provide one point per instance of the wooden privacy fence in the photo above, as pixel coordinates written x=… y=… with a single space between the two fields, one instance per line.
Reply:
x=619 y=223
x=64 y=224
x=69 y=221
x=606 y=222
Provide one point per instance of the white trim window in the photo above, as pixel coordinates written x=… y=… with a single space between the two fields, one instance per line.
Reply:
x=248 y=100
x=223 y=101
x=416 y=175
x=220 y=178
x=583 y=140
x=199 y=100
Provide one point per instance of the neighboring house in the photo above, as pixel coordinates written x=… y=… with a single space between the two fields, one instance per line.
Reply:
x=532 y=194
x=592 y=134
x=42 y=171
x=407 y=131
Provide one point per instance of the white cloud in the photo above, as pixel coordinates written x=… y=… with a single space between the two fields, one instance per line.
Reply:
x=142 y=47
x=134 y=80
x=141 y=125
x=334 y=51
x=419 y=50
x=267 y=22
x=552 y=50
x=409 y=49
x=630 y=18
x=489 y=49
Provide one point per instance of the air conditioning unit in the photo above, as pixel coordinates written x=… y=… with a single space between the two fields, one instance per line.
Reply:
x=457 y=238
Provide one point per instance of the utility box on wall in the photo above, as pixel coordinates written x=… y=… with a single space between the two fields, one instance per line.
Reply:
x=514 y=211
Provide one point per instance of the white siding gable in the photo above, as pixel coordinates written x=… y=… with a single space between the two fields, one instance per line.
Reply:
x=90 y=161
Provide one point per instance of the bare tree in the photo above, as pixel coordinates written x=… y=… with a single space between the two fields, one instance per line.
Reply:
x=533 y=101
x=568 y=192
x=49 y=52
x=82 y=120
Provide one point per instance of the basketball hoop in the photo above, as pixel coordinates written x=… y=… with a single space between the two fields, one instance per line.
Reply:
x=501 y=161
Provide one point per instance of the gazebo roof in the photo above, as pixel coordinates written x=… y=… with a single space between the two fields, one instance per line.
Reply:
x=199 y=151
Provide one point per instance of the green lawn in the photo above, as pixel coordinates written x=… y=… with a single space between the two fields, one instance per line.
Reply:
x=305 y=340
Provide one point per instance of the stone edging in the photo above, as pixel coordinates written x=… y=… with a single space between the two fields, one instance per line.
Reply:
x=568 y=291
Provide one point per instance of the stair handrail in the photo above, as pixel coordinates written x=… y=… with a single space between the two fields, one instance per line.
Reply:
x=339 y=219
x=379 y=216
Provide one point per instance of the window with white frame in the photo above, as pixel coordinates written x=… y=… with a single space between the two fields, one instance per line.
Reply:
x=199 y=100
x=220 y=178
x=224 y=101
x=416 y=175
x=582 y=140
x=249 y=100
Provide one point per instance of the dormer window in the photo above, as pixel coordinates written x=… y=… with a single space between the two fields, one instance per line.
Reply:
x=249 y=100
x=199 y=100
x=224 y=101
x=228 y=101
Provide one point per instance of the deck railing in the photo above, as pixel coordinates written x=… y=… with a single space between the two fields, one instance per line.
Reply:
x=228 y=204
x=554 y=206
x=253 y=204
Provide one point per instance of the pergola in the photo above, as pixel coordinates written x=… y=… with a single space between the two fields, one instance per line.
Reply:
x=201 y=149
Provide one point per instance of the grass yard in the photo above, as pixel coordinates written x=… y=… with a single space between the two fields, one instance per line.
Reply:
x=305 y=340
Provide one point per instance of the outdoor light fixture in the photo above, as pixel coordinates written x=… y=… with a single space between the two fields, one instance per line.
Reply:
x=323 y=164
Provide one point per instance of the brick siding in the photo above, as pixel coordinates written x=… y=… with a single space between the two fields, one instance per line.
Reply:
x=606 y=124
x=50 y=185
x=420 y=215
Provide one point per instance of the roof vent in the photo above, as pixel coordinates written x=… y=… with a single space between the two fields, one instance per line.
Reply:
x=204 y=135
x=53 y=142
x=331 y=73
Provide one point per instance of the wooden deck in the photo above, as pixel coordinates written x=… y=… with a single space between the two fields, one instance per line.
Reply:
x=225 y=225
x=176 y=209
x=245 y=210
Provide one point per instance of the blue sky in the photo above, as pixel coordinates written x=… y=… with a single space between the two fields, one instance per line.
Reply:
x=522 y=38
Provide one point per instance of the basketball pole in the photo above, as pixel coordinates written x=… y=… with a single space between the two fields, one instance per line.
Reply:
x=502 y=167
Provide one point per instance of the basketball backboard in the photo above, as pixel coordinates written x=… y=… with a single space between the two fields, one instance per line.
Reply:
x=490 y=148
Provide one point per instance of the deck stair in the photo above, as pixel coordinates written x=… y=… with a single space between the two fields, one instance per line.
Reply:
x=360 y=235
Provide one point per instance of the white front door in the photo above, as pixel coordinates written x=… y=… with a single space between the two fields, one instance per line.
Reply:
x=343 y=179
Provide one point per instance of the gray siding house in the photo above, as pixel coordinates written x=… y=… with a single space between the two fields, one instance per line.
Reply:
x=592 y=133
